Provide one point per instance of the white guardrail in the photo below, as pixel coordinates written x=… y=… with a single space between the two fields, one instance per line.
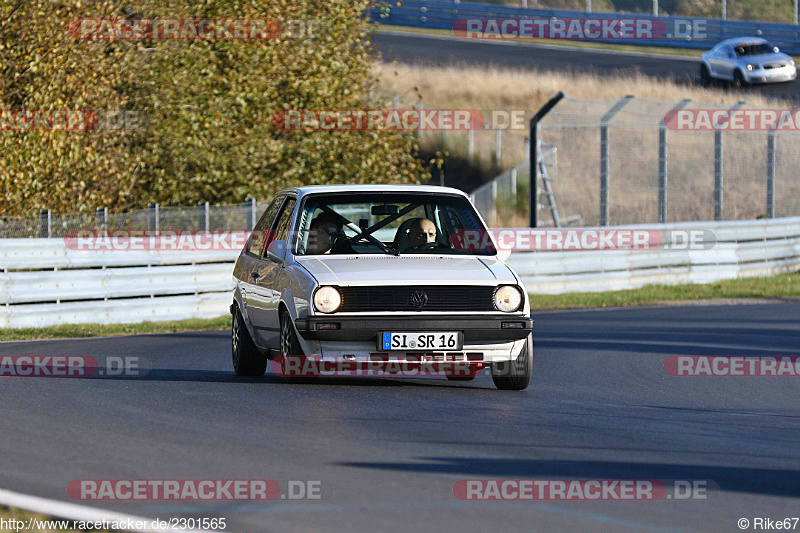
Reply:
x=46 y=283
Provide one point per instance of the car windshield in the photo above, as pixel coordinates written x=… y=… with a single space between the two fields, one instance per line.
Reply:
x=390 y=223
x=753 y=49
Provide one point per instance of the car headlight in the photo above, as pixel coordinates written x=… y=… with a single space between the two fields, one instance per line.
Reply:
x=749 y=67
x=327 y=299
x=791 y=62
x=507 y=298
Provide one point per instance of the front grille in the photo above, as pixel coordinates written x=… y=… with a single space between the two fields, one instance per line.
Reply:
x=418 y=298
x=775 y=65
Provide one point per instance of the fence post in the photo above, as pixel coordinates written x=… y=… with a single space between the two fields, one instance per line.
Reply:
x=771 y=173
x=604 y=122
x=250 y=208
x=662 y=164
x=498 y=147
x=533 y=148
x=45 y=224
x=719 y=171
x=514 y=187
x=101 y=216
x=470 y=144
x=419 y=116
x=152 y=221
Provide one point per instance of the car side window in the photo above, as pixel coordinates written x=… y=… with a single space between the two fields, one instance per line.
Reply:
x=260 y=235
x=284 y=221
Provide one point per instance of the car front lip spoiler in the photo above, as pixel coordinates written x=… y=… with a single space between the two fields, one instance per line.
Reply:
x=481 y=328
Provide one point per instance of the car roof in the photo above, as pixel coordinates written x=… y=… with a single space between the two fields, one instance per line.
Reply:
x=747 y=40
x=372 y=188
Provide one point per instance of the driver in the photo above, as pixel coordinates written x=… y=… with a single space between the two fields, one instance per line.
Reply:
x=421 y=232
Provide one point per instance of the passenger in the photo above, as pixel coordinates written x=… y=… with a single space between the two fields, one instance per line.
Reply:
x=325 y=235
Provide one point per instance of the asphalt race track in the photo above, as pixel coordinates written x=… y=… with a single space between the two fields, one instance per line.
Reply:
x=438 y=50
x=388 y=452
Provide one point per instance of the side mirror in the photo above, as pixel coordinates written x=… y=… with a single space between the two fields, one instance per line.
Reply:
x=276 y=252
x=503 y=254
x=777 y=49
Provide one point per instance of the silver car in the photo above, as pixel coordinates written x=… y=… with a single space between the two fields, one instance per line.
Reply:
x=375 y=273
x=747 y=60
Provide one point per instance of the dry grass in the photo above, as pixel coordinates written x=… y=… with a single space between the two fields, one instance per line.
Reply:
x=493 y=88
x=633 y=150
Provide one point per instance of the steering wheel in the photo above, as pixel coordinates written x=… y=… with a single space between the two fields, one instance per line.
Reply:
x=431 y=246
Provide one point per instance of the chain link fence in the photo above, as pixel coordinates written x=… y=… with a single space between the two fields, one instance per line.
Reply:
x=200 y=217
x=631 y=161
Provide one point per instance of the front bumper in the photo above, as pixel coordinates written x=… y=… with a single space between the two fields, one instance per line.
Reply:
x=776 y=75
x=476 y=329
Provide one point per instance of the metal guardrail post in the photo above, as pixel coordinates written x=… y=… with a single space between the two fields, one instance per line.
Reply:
x=604 y=122
x=719 y=170
x=152 y=219
x=204 y=216
x=533 y=155
x=771 y=173
x=662 y=164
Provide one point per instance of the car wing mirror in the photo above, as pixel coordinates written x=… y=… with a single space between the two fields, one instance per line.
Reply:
x=276 y=252
x=503 y=254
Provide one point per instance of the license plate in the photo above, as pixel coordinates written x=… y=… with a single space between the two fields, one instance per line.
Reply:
x=429 y=340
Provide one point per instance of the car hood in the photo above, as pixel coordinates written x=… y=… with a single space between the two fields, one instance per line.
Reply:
x=765 y=58
x=397 y=270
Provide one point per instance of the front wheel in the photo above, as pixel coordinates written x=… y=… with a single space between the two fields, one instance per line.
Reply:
x=247 y=359
x=738 y=79
x=516 y=374
x=294 y=365
x=705 y=75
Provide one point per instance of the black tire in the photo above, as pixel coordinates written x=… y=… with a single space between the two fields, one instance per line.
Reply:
x=247 y=358
x=705 y=75
x=515 y=375
x=290 y=346
x=738 y=79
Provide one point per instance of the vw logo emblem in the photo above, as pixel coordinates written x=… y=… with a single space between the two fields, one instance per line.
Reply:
x=419 y=299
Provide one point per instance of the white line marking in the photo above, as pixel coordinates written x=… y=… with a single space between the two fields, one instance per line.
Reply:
x=72 y=511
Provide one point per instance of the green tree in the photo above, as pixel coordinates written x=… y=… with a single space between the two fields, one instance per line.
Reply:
x=208 y=105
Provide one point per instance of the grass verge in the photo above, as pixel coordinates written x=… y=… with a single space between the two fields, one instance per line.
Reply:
x=103 y=330
x=781 y=286
x=39 y=522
